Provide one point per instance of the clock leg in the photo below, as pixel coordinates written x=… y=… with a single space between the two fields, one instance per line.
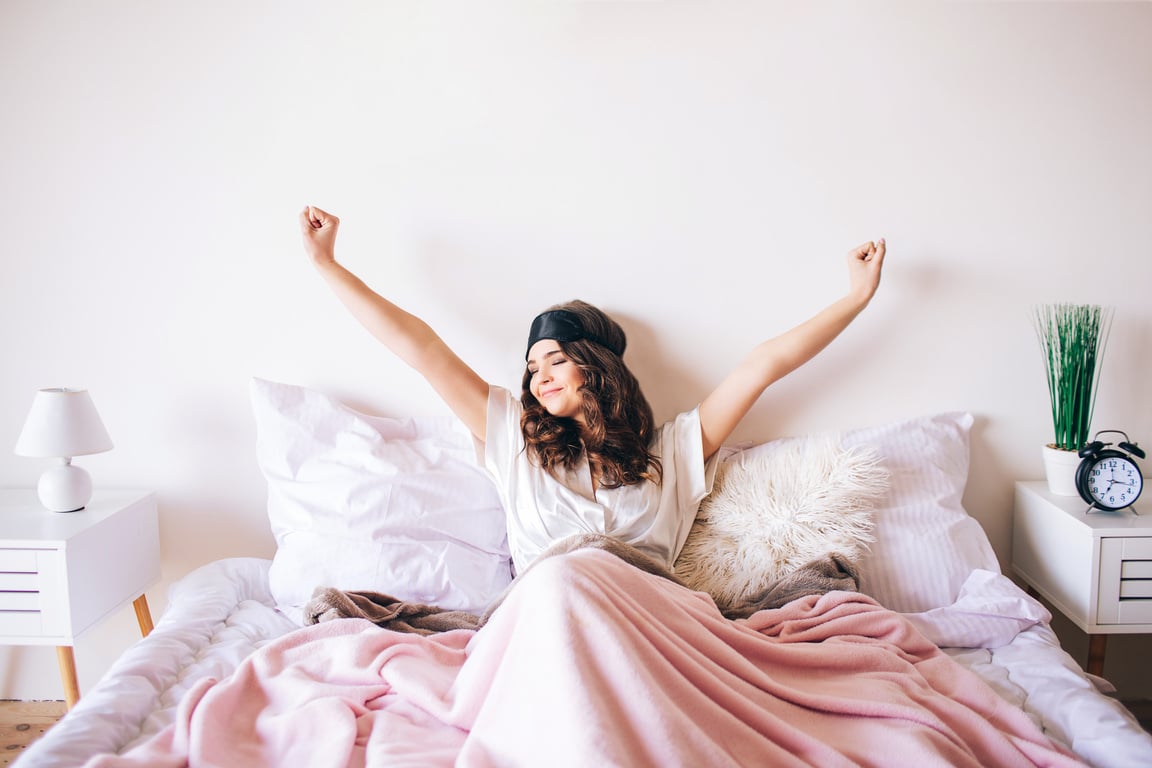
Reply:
x=67 y=663
x=1097 y=644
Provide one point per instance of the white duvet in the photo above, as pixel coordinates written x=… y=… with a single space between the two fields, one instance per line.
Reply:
x=222 y=612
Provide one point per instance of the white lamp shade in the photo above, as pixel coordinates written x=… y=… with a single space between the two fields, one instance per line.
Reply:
x=63 y=423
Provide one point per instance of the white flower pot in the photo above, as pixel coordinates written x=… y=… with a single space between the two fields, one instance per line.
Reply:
x=1060 y=469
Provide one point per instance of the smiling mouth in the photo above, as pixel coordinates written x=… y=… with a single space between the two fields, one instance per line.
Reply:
x=548 y=393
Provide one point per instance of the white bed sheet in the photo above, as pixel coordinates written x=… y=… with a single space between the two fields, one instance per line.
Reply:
x=216 y=616
x=220 y=613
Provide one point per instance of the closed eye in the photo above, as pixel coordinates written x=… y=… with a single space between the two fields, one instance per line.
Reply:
x=552 y=358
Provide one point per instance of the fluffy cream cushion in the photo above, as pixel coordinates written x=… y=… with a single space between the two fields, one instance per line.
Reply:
x=778 y=506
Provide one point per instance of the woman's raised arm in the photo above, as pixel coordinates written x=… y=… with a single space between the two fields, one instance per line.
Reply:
x=775 y=358
x=409 y=337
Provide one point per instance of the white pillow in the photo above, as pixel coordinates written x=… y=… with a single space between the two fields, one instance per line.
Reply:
x=774 y=508
x=358 y=502
x=926 y=544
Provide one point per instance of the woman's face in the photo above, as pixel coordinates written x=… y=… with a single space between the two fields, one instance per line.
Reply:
x=556 y=380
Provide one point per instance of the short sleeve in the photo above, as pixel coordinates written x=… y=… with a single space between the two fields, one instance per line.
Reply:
x=503 y=440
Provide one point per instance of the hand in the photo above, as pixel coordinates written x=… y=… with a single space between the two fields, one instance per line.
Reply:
x=319 y=231
x=864 y=264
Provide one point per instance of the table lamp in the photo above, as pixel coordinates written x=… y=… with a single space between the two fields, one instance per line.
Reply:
x=63 y=423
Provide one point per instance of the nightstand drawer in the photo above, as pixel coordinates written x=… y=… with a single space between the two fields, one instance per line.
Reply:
x=1125 y=595
x=19 y=601
x=1136 y=549
x=19 y=582
x=18 y=560
x=1132 y=589
x=21 y=623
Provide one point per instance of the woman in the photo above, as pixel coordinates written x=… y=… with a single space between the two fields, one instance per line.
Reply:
x=578 y=453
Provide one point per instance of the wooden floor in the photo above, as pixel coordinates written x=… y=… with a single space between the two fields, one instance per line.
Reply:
x=22 y=722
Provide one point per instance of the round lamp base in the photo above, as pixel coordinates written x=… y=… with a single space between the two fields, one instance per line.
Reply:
x=65 y=488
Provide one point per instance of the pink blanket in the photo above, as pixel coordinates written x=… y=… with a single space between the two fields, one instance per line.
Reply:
x=590 y=662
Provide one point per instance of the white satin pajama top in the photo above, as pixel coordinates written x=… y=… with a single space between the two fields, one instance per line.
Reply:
x=543 y=508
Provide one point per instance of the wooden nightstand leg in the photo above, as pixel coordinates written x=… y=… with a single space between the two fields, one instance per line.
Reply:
x=67 y=664
x=143 y=615
x=1096 y=647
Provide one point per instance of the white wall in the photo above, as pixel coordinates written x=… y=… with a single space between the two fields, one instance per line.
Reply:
x=697 y=168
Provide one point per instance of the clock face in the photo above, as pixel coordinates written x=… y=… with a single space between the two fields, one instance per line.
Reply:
x=1114 y=482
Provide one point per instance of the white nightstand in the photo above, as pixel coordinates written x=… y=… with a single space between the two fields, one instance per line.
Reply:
x=1094 y=567
x=62 y=572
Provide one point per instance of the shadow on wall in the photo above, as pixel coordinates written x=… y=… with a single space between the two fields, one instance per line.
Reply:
x=990 y=490
x=670 y=389
x=222 y=522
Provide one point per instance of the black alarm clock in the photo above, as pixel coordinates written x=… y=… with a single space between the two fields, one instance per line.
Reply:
x=1107 y=478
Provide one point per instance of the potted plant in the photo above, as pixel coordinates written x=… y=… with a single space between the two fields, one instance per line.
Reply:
x=1072 y=338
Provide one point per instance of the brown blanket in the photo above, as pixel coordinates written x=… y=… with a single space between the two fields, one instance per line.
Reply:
x=830 y=573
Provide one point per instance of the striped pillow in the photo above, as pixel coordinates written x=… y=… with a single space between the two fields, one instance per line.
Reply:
x=925 y=544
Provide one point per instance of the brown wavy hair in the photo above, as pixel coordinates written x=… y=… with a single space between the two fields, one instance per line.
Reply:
x=618 y=423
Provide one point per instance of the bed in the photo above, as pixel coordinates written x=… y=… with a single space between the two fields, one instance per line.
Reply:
x=937 y=659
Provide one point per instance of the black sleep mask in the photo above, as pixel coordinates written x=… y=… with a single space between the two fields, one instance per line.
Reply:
x=562 y=325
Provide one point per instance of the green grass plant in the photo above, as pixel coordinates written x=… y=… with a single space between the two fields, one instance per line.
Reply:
x=1072 y=338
